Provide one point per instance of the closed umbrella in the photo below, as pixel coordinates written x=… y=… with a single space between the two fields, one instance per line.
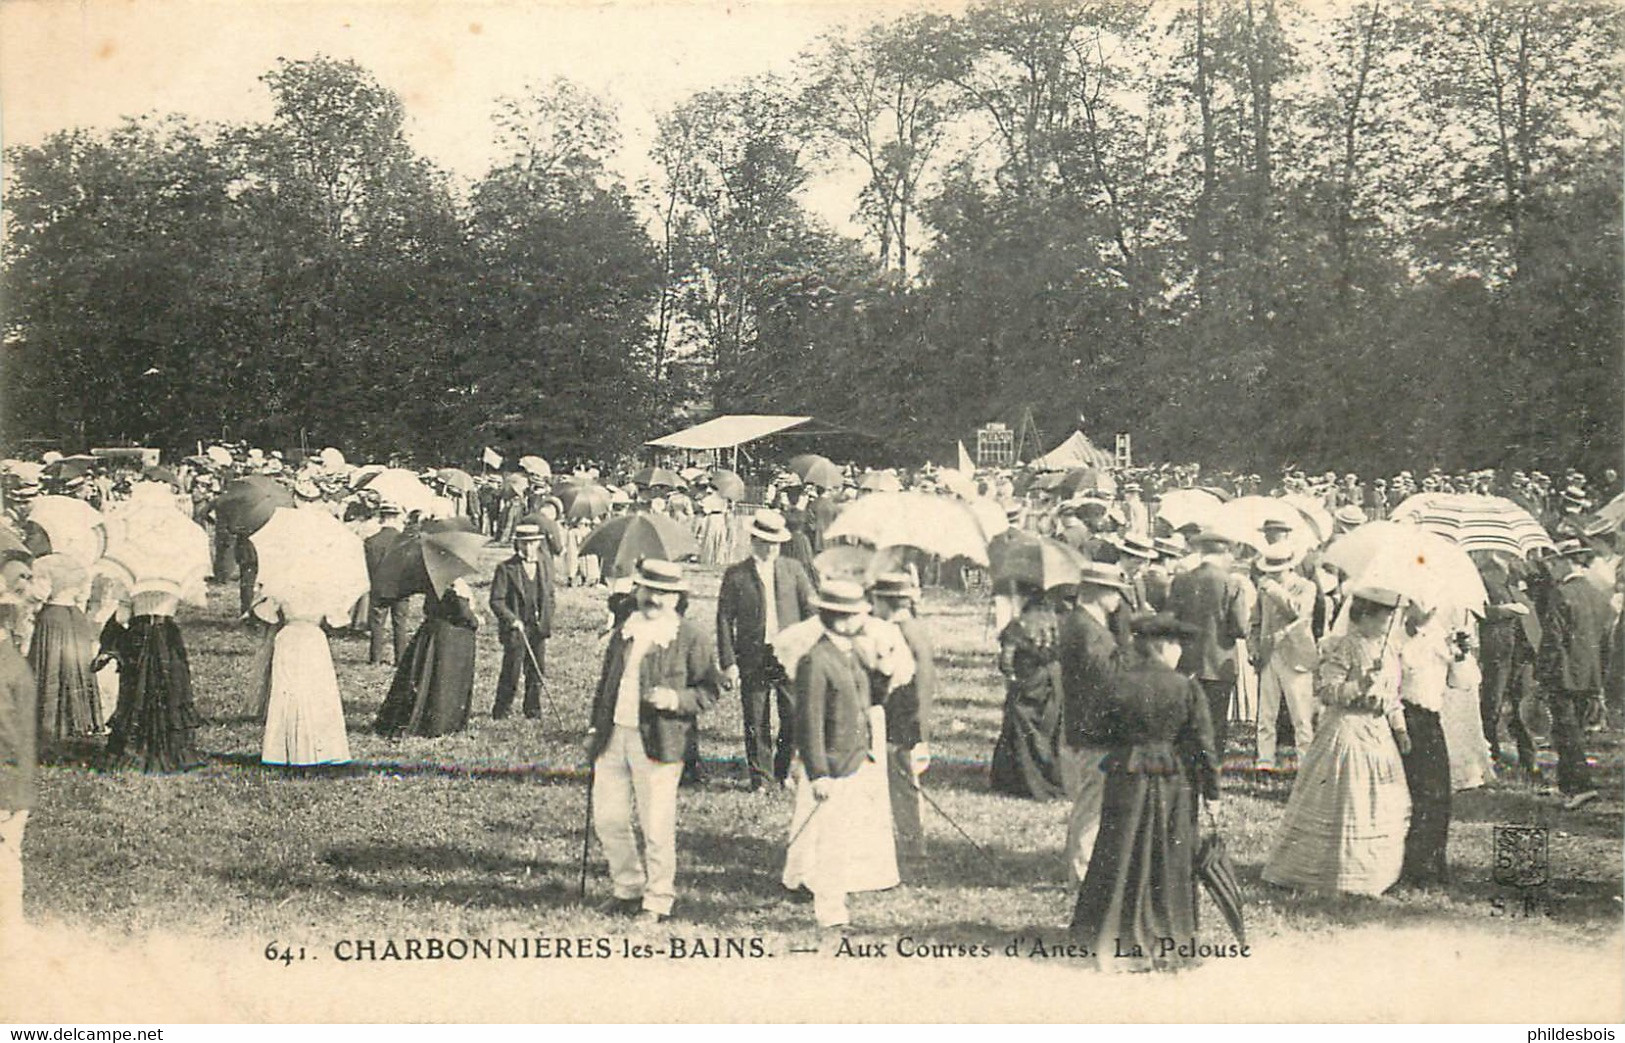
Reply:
x=621 y=542
x=248 y=503
x=1217 y=876
x=67 y=525
x=727 y=484
x=427 y=562
x=311 y=563
x=1475 y=522
x=152 y=546
x=934 y=524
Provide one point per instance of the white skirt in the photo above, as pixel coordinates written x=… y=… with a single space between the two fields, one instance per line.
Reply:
x=304 y=717
x=854 y=828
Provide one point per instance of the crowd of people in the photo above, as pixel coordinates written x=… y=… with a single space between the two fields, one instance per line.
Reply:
x=1125 y=671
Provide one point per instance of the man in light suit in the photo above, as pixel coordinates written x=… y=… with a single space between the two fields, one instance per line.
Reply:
x=759 y=597
x=522 y=602
x=1286 y=652
x=1213 y=599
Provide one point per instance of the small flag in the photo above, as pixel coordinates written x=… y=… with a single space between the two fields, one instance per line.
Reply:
x=491 y=457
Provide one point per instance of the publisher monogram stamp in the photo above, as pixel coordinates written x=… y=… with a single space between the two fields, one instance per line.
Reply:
x=1521 y=858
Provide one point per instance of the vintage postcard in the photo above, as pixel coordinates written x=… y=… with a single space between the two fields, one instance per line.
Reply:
x=795 y=511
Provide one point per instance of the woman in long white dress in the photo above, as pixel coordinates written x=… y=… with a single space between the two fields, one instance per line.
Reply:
x=297 y=691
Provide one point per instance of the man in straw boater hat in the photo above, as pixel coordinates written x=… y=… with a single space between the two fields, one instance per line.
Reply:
x=1090 y=659
x=1213 y=599
x=759 y=597
x=379 y=612
x=908 y=711
x=1286 y=651
x=659 y=674
x=832 y=743
x=522 y=602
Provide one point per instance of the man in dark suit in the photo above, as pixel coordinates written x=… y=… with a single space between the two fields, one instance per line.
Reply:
x=19 y=762
x=1211 y=598
x=1508 y=638
x=908 y=713
x=1090 y=659
x=1569 y=666
x=522 y=602
x=759 y=597
x=658 y=676
x=379 y=611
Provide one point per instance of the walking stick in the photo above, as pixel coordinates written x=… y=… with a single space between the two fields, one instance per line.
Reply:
x=979 y=848
x=541 y=678
x=586 y=829
x=810 y=816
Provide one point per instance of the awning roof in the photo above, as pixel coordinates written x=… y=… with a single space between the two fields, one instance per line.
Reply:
x=725 y=432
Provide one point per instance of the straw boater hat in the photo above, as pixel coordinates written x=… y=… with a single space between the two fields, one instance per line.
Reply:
x=1136 y=546
x=900 y=584
x=655 y=574
x=1349 y=514
x=1275 y=523
x=1172 y=546
x=388 y=507
x=1207 y=536
x=1277 y=559
x=1100 y=574
x=306 y=489
x=1574 y=548
x=526 y=532
x=841 y=596
x=769 y=527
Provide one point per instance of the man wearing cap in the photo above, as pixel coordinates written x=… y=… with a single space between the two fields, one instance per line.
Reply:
x=908 y=711
x=522 y=602
x=1286 y=652
x=759 y=597
x=1213 y=599
x=659 y=674
x=832 y=743
x=1090 y=659
x=1569 y=665
x=379 y=611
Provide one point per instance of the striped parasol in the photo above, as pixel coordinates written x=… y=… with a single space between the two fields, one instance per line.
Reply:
x=1475 y=522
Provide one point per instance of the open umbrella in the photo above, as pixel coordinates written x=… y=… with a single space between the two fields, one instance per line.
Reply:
x=1314 y=512
x=1475 y=522
x=332 y=459
x=990 y=515
x=67 y=525
x=10 y=544
x=312 y=563
x=1182 y=507
x=1031 y=561
x=692 y=474
x=1611 y=517
x=25 y=470
x=70 y=467
x=535 y=465
x=620 y=542
x=727 y=484
x=1243 y=519
x=152 y=546
x=1423 y=566
x=856 y=562
x=934 y=524
x=800 y=465
x=588 y=502
x=957 y=482
x=427 y=561
x=657 y=477
x=248 y=502
x=365 y=473
x=1086 y=479
x=161 y=474
x=402 y=487
x=880 y=482
x=455 y=479
x=218 y=455
x=823 y=474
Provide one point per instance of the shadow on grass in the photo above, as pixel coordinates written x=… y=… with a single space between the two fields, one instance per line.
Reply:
x=418 y=873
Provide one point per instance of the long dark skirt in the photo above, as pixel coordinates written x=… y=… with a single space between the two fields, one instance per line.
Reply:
x=1026 y=759
x=1427 y=776
x=70 y=704
x=155 y=725
x=434 y=683
x=1141 y=886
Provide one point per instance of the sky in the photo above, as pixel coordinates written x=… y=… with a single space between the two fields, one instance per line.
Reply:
x=89 y=64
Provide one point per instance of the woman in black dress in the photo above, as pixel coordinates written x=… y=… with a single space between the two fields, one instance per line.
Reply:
x=155 y=725
x=1141 y=884
x=434 y=683
x=1026 y=761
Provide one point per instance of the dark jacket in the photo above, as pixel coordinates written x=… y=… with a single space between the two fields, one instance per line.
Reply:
x=908 y=708
x=1090 y=660
x=19 y=709
x=684 y=665
x=1157 y=722
x=832 y=711
x=1573 y=629
x=374 y=547
x=517 y=600
x=1213 y=601
x=741 y=618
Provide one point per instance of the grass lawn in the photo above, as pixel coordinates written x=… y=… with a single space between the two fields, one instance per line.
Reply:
x=479 y=836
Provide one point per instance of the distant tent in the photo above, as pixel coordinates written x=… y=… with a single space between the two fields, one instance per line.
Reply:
x=1076 y=451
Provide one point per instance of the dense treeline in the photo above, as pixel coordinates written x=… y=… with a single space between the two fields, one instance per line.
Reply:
x=1370 y=236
